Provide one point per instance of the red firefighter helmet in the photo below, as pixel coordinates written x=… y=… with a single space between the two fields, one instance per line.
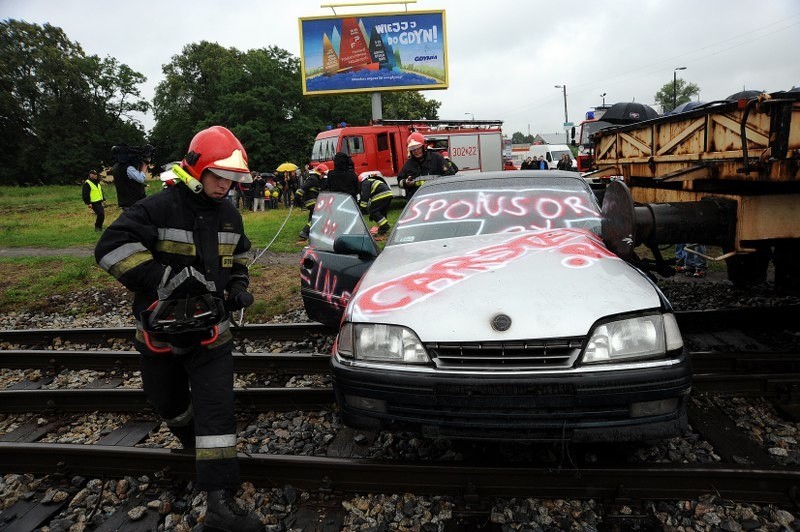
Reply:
x=415 y=140
x=445 y=154
x=370 y=173
x=321 y=169
x=218 y=150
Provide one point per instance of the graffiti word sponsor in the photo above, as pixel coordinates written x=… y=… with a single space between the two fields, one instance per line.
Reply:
x=582 y=249
x=537 y=210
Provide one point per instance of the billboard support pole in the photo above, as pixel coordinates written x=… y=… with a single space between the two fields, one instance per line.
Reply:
x=377 y=106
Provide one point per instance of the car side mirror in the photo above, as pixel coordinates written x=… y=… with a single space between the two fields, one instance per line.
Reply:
x=362 y=245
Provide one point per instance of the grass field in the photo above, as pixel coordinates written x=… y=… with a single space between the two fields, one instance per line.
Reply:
x=54 y=218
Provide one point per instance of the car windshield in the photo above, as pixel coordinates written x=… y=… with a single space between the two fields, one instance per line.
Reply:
x=480 y=207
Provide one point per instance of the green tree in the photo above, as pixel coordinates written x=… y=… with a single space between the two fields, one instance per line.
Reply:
x=671 y=96
x=257 y=94
x=520 y=138
x=60 y=110
x=409 y=105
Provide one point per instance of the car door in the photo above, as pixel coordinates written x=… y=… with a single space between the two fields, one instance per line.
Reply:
x=340 y=250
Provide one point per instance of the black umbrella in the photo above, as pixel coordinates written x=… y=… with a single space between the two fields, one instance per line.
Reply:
x=684 y=107
x=743 y=95
x=628 y=113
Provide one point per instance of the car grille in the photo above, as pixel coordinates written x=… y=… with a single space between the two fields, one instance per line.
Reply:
x=542 y=355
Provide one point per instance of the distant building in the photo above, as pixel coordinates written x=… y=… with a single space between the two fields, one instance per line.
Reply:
x=550 y=138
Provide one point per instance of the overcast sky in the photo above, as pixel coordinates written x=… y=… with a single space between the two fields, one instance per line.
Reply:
x=504 y=56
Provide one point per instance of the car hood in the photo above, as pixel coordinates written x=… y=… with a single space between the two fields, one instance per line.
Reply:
x=552 y=284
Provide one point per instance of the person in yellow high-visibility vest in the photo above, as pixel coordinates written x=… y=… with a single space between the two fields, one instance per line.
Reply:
x=93 y=197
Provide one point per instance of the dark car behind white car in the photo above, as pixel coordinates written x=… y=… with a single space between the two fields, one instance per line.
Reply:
x=494 y=311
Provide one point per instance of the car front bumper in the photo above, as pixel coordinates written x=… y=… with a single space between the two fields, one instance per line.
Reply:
x=618 y=405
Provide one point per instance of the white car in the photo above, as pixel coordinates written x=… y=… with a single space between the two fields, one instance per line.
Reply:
x=494 y=311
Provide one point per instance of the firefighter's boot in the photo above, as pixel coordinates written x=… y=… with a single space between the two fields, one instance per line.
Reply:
x=224 y=514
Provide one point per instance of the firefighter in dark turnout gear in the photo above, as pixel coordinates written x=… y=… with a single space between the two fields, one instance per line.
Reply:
x=342 y=178
x=306 y=196
x=376 y=196
x=421 y=162
x=190 y=232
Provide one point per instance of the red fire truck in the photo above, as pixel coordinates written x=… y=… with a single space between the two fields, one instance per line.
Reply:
x=589 y=127
x=473 y=145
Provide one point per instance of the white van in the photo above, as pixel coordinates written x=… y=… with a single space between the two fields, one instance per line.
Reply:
x=552 y=153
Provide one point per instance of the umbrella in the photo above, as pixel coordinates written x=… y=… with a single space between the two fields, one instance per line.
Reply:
x=744 y=95
x=286 y=167
x=684 y=107
x=628 y=113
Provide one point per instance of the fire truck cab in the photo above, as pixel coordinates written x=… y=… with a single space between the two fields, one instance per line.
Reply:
x=590 y=126
x=474 y=145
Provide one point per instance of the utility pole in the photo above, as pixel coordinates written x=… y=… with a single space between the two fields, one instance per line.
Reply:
x=675 y=86
x=566 y=114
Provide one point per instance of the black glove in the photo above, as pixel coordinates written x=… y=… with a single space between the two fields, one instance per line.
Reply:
x=238 y=300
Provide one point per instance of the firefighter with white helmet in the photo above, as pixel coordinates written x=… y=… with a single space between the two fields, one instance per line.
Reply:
x=183 y=253
x=376 y=196
x=421 y=162
x=306 y=195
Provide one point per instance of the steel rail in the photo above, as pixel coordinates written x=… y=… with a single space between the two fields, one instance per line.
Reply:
x=134 y=399
x=688 y=320
x=751 y=374
x=273 y=331
x=776 y=485
x=738 y=318
x=254 y=362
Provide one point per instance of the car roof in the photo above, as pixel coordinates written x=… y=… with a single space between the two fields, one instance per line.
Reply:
x=505 y=174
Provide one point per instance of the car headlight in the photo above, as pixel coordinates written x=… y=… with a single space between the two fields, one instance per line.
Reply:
x=633 y=338
x=378 y=342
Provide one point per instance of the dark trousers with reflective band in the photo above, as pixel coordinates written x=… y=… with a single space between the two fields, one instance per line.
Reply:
x=209 y=372
x=99 y=213
x=378 y=210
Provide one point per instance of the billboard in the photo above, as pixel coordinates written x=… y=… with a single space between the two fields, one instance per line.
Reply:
x=377 y=52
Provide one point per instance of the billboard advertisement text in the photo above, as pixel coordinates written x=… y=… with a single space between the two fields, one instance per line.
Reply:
x=367 y=53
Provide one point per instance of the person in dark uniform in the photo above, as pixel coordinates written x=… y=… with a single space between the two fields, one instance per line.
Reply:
x=376 y=197
x=130 y=175
x=92 y=192
x=421 y=162
x=342 y=178
x=306 y=196
x=178 y=251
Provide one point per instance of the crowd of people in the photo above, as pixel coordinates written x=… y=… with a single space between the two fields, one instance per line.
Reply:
x=540 y=163
x=267 y=190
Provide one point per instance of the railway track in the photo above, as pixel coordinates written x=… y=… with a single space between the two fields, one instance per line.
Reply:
x=746 y=471
x=690 y=321
x=270 y=331
x=763 y=374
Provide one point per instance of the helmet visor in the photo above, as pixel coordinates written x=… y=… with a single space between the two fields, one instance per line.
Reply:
x=233 y=175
